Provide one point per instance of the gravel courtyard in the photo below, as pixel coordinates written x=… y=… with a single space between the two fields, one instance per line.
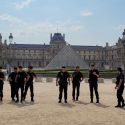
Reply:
x=46 y=110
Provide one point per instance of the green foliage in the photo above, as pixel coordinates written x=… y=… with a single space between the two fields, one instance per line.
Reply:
x=53 y=72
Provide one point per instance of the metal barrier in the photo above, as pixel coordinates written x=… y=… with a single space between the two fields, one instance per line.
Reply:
x=49 y=79
x=100 y=80
x=38 y=79
x=113 y=80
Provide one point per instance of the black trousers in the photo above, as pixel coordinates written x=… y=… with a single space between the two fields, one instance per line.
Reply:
x=119 y=95
x=75 y=86
x=61 y=89
x=13 y=89
x=1 y=89
x=94 y=87
x=21 y=87
x=27 y=86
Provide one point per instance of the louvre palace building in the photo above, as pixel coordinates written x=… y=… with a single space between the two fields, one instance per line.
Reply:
x=42 y=55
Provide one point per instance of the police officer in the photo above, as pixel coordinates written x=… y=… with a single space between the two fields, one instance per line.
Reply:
x=13 y=84
x=93 y=79
x=2 y=77
x=29 y=84
x=77 y=77
x=120 y=88
x=21 y=80
x=63 y=79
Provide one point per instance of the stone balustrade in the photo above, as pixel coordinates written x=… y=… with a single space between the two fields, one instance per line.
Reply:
x=50 y=80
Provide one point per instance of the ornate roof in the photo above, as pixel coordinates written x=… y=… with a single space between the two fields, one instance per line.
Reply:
x=87 y=48
x=124 y=32
x=0 y=36
x=57 y=37
x=28 y=46
x=74 y=47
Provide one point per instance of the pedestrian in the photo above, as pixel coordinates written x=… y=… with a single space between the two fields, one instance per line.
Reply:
x=93 y=83
x=13 y=84
x=77 y=77
x=2 y=78
x=63 y=79
x=21 y=80
x=120 y=88
x=29 y=84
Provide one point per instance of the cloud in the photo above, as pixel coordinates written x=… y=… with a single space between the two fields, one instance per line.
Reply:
x=10 y=19
x=22 y=29
x=48 y=27
x=119 y=28
x=69 y=26
x=38 y=27
x=23 y=4
x=76 y=28
x=86 y=13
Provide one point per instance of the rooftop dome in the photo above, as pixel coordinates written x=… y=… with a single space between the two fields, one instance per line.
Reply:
x=124 y=32
x=57 y=37
x=123 y=38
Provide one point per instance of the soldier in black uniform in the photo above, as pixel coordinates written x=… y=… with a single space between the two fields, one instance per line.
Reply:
x=21 y=80
x=2 y=77
x=13 y=84
x=77 y=77
x=63 y=79
x=29 y=84
x=120 y=88
x=93 y=82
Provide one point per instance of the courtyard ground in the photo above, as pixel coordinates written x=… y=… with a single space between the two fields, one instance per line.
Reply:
x=46 y=110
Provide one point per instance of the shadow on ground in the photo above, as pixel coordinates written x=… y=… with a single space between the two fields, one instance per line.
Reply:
x=81 y=102
x=68 y=105
x=1 y=103
x=21 y=105
x=101 y=105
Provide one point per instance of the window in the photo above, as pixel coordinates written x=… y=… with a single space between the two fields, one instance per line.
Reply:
x=18 y=63
x=39 y=64
x=29 y=63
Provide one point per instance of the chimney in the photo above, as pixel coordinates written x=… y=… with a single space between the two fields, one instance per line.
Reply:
x=0 y=38
x=107 y=44
x=64 y=36
x=51 y=36
x=5 y=42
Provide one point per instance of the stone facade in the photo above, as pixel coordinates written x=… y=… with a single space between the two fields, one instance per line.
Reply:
x=115 y=55
x=40 y=55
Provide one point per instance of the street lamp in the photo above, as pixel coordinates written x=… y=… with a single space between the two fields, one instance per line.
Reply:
x=10 y=57
x=44 y=55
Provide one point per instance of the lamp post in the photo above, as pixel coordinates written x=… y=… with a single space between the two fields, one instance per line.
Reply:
x=9 y=58
x=44 y=55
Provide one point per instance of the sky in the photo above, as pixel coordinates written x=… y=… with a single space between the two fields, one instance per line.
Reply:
x=84 y=22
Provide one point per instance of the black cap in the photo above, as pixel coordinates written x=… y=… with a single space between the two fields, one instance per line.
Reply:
x=63 y=67
x=15 y=68
x=30 y=67
x=77 y=67
x=119 y=69
x=92 y=65
x=20 y=67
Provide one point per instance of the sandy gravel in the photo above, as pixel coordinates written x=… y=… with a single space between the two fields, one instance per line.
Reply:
x=46 y=110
